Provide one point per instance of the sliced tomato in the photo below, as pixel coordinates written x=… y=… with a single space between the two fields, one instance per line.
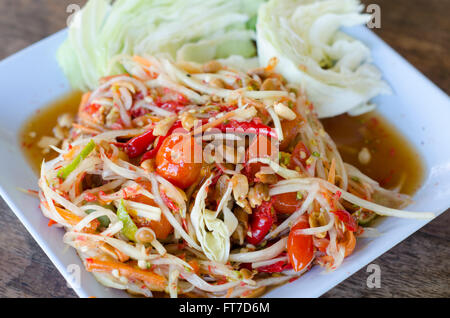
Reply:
x=286 y=203
x=321 y=244
x=300 y=247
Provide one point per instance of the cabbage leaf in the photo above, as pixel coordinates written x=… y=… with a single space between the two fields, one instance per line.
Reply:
x=195 y=30
x=212 y=233
x=332 y=68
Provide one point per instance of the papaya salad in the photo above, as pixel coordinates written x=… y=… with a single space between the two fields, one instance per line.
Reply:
x=206 y=180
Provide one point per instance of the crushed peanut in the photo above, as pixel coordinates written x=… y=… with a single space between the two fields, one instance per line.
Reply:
x=240 y=186
x=284 y=112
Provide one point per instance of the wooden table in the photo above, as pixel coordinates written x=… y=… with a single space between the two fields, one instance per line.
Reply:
x=418 y=267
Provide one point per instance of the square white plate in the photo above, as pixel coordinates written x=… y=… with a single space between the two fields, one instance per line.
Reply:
x=31 y=79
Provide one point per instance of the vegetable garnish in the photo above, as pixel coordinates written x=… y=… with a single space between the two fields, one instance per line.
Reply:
x=152 y=280
x=333 y=67
x=140 y=144
x=194 y=30
x=64 y=172
x=129 y=228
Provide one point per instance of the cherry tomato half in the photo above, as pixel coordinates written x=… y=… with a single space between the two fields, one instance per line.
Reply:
x=162 y=228
x=299 y=155
x=300 y=247
x=286 y=203
x=290 y=130
x=175 y=160
x=260 y=147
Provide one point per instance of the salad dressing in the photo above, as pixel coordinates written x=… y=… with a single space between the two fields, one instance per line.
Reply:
x=393 y=160
x=42 y=123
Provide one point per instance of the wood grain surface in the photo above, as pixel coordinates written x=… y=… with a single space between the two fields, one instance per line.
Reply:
x=418 y=267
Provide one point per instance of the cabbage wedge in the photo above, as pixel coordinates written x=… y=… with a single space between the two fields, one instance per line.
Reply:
x=333 y=68
x=196 y=30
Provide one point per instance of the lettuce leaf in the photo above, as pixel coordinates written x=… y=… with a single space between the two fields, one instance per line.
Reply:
x=196 y=30
x=333 y=68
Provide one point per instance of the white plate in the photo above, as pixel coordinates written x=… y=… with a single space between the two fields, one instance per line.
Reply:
x=31 y=79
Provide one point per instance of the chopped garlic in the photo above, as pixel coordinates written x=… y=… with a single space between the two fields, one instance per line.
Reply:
x=65 y=120
x=364 y=156
x=45 y=142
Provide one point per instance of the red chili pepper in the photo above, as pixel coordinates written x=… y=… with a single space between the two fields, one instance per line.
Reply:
x=348 y=220
x=138 y=145
x=261 y=221
x=273 y=268
x=92 y=108
x=252 y=127
x=89 y=197
x=216 y=177
x=152 y=153
x=139 y=112
x=170 y=204
x=277 y=267
x=172 y=105
x=227 y=108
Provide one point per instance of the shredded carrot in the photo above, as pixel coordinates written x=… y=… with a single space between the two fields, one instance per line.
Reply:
x=332 y=172
x=153 y=281
x=121 y=257
x=84 y=99
x=273 y=62
x=86 y=129
x=68 y=216
x=141 y=60
x=85 y=117
x=195 y=266
x=349 y=243
x=69 y=155
x=326 y=259
x=327 y=197
x=154 y=118
x=34 y=193
x=213 y=124
x=148 y=120
x=74 y=219
x=78 y=183
x=229 y=291
x=355 y=191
